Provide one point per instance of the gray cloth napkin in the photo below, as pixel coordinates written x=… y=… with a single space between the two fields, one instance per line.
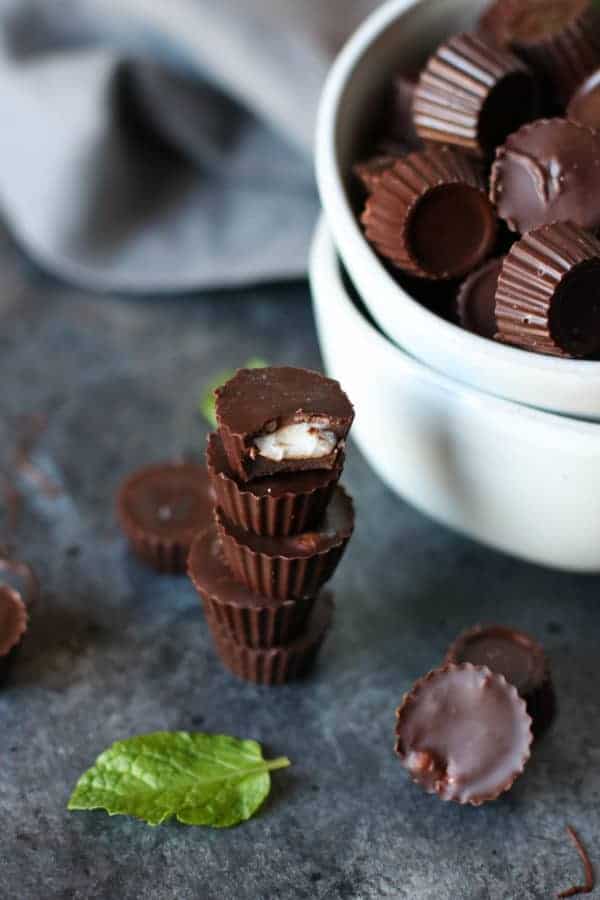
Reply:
x=164 y=145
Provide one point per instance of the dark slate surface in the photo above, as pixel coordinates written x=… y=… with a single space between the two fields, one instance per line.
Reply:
x=115 y=650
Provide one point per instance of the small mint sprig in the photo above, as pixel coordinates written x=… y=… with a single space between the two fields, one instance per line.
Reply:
x=200 y=779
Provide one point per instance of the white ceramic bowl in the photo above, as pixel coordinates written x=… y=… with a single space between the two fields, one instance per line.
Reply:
x=400 y=33
x=516 y=478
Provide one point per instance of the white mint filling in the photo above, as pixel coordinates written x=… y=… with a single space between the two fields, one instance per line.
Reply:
x=305 y=440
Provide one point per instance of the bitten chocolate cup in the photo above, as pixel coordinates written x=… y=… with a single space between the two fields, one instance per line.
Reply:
x=430 y=216
x=548 y=295
x=519 y=658
x=278 y=665
x=15 y=607
x=548 y=171
x=295 y=566
x=282 y=419
x=464 y=734
x=584 y=105
x=276 y=506
x=162 y=508
x=476 y=300
x=560 y=38
x=473 y=95
x=240 y=615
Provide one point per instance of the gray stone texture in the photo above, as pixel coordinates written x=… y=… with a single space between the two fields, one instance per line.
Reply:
x=115 y=650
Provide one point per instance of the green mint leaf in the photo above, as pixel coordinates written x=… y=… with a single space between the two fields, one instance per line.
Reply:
x=202 y=779
x=207 y=403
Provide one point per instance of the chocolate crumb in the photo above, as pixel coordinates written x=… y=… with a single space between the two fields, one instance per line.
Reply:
x=588 y=887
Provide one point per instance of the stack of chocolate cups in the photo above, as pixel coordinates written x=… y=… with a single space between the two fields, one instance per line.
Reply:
x=281 y=523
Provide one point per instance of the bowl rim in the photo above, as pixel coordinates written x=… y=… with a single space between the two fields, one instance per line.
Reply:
x=349 y=237
x=324 y=267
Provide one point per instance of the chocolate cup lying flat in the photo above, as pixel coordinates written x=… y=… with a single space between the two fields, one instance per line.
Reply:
x=277 y=665
x=162 y=508
x=548 y=295
x=257 y=402
x=430 y=215
x=476 y=300
x=519 y=658
x=559 y=38
x=473 y=95
x=548 y=171
x=584 y=105
x=240 y=615
x=15 y=608
x=464 y=734
x=295 y=566
x=276 y=506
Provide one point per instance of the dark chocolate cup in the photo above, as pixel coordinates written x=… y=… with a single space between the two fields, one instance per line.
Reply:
x=237 y=613
x=417 y=193
x=165 y=550
x=536 y=274
x=255 y=402
x=271 y=510
x=532 y=681
x=473 y=95
x=279 y=576
x=565 y=54
x=15 y=615
x=411 y=699
x=277 y=665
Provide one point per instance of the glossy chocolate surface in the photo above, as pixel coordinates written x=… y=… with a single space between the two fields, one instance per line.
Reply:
x=464 y=733
x=548 y=172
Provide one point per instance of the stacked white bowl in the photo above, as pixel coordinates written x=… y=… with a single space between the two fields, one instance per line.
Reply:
x=501 y=444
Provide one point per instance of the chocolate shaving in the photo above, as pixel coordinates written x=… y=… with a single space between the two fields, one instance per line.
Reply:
x=588 y=887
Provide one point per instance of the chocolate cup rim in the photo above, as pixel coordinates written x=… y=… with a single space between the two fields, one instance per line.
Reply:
x=138 y=532
x=270 y=602
x=244 y=491
x=344 y=537
x=542 y=670
x=411 y=695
